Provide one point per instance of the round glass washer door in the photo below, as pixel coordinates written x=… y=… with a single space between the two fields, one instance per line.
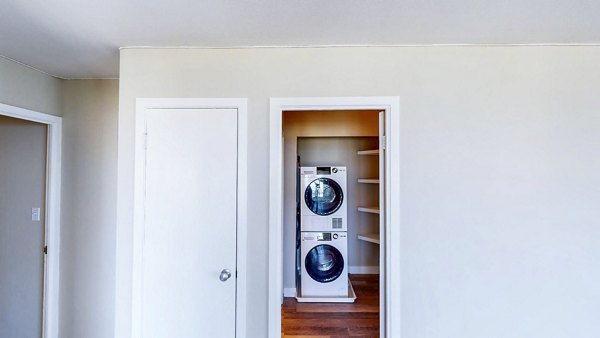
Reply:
x=324 y=263
x=323 y=196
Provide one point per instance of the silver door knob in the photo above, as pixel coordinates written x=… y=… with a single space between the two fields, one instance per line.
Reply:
x=225 y=275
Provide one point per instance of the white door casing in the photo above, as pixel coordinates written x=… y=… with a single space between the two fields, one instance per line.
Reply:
x=189 y=219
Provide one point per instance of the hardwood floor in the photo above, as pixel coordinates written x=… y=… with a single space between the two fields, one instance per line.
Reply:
x=328 y=320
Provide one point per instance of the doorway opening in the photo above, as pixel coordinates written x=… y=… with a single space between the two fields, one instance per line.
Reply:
x=331 y=191
x=29 y=221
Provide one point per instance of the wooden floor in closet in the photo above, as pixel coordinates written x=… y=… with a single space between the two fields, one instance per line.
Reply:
x=328 y=320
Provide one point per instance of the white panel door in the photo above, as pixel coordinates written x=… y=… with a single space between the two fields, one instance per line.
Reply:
x=190 y=224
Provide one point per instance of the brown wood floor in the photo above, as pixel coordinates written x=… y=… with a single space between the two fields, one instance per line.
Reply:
x=328 y=320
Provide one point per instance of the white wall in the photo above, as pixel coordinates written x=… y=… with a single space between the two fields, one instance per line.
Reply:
x=24 y=87
x=89 y=178
x=22 y=187
x=500 y=173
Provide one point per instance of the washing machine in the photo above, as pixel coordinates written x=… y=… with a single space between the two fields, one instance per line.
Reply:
x=323 y=205
x=324 y=259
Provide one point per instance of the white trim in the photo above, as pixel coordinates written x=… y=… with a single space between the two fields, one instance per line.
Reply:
x=142 y=104
x=289 y=292
x=29 y=115
x=364 y=270
x=53 y=195
x=392 y=214
x=417 y=45
x=391 y=106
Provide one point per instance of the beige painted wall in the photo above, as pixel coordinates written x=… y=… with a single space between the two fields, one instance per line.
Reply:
x=343 y=125
x=24 y=87
x=22 y=187
x=500 y=166
x=89 y=178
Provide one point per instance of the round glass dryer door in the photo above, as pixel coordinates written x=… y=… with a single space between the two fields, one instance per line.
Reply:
x=324 y=263
x=323 y=196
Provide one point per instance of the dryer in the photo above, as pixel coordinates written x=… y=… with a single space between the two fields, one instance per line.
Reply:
x=324 y=259
x=323 y=204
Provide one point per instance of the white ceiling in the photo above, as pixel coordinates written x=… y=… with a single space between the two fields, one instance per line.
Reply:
x=80 y=39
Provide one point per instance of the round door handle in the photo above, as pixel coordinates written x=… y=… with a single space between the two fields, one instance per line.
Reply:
x=225 y=275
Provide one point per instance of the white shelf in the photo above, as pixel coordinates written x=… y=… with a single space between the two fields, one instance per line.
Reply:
x=368 y=180
x=372 y=210
x=368 y=152
x=371 y=238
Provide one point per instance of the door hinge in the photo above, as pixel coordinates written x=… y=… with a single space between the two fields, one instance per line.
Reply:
x=383 y=143
x=45 y=249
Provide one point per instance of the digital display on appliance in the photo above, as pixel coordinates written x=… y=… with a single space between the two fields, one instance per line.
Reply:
x=324 y=236
x=323 y=170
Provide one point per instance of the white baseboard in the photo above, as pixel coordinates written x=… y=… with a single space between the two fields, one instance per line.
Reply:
x=289 y=292
x=364 y=270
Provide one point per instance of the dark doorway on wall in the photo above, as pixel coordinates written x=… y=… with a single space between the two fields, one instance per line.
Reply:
x=23 y=158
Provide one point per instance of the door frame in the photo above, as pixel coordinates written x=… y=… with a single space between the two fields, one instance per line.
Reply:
x=391 y=106
x=142 y=105
x=50 y=306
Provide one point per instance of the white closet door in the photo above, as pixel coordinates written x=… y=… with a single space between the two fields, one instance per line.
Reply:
x=189 y=249
x=382 y=232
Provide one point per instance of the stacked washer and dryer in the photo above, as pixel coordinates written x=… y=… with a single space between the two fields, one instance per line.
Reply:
x=323 y=243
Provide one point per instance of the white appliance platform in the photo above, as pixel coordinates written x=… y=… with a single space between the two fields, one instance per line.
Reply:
x=350 y=299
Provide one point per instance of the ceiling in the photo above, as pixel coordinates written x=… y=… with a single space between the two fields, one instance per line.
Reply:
x=80 y=39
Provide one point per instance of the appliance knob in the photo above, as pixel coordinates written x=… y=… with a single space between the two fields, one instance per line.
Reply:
x=335 y=236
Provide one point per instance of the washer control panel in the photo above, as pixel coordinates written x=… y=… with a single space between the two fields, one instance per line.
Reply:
x=324 y=236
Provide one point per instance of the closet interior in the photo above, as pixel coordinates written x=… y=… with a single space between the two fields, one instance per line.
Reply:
x=331 y=232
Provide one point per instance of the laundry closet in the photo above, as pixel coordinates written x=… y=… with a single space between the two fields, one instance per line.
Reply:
x=331 y=225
